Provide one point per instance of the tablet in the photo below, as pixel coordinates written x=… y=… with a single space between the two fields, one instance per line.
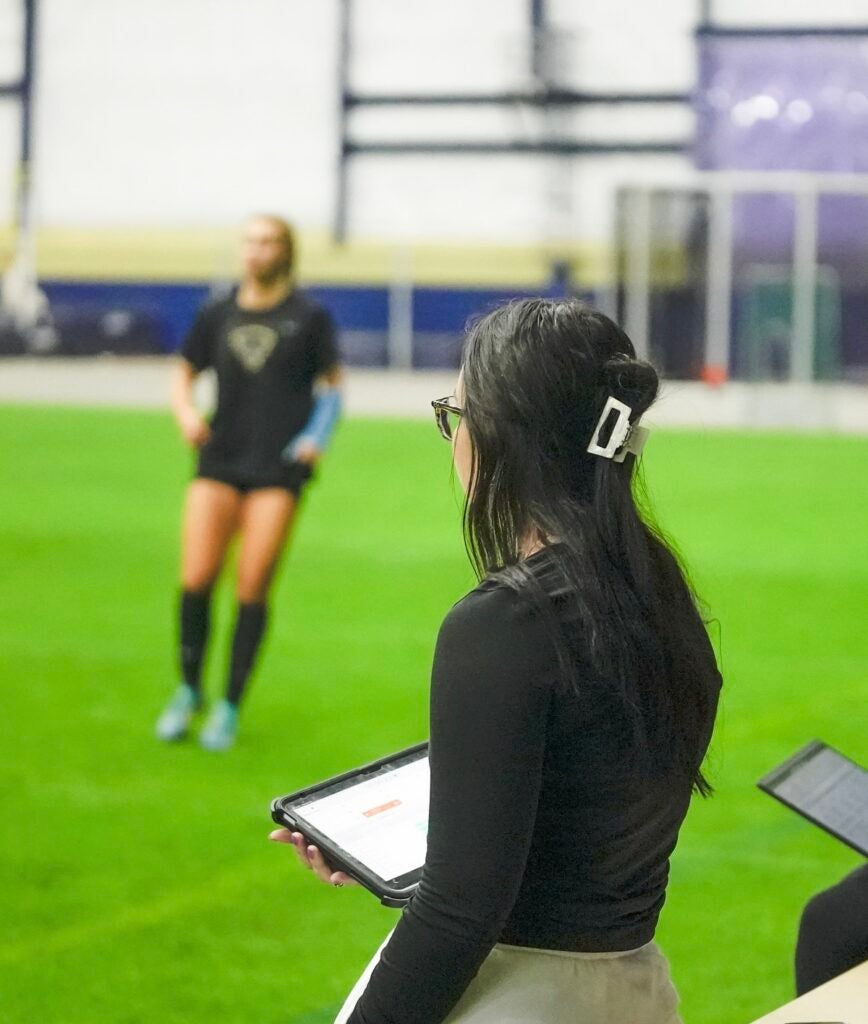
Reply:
x=827 y=788
x=371 y=823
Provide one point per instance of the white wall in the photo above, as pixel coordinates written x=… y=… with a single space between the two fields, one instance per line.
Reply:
x=184 y=111
x=193 y=112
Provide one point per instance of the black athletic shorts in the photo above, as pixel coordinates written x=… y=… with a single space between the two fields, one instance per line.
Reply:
x=291 y=476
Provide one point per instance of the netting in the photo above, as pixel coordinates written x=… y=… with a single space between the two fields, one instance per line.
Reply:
x=753 y=277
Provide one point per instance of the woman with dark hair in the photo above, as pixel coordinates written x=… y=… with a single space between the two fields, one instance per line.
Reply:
x=278 y=398
x=572 y=702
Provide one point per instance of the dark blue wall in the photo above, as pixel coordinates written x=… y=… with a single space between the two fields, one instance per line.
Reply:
x=133 y=318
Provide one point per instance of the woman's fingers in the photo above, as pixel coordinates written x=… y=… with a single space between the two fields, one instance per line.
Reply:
x=312 y=858
x=294 y=839
x=305 y=853
x=318 y=865
x=300 y=844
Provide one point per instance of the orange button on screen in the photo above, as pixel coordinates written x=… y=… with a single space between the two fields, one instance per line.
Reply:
x=381 y=808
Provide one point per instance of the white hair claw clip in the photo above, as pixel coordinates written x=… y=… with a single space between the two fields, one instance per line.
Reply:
x=625 y=436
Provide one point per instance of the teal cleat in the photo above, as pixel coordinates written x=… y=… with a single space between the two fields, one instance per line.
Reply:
x=221 y=727
x=174 y=723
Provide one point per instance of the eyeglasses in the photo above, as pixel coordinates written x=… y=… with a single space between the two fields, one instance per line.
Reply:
x=446 y=414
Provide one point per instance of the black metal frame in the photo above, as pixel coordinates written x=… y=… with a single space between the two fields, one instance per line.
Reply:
x=544 y=97
x=785 y=31
x=22 y=90
x=541 y=98
x=553 y=147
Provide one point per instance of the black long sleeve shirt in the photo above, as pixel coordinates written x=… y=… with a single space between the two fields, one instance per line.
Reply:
x=540 y=834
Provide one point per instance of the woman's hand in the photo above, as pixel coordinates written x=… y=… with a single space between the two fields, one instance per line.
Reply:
x=305 y=451
x=311 y=858
x=194 y=428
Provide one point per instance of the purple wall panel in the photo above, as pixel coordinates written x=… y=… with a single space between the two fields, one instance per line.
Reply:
x=800 y=103
x=775 y=103
x=783 y=103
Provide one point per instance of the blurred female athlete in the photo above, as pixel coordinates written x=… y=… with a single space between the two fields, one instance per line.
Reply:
x=274 y=353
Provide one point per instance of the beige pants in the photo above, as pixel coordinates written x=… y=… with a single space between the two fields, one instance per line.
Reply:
x=539 y=986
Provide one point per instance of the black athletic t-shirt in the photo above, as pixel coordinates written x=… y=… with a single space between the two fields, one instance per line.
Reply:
x=266 y=362
x=541 y=834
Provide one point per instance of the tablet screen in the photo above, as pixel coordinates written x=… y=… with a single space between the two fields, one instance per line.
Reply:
x=828 y=788
x=380 y=821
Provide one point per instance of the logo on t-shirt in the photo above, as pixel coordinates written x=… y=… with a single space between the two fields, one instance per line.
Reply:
x=252 y=344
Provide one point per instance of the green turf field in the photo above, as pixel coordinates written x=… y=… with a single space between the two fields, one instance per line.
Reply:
x=137 y=882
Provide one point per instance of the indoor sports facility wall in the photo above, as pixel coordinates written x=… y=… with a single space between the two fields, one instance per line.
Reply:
x=212 y=101
x=158 y=127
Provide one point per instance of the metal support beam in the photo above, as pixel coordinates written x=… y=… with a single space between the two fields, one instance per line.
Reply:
x=341 y=215
x=28 y=77
x=552 y=97
x=554 y=147
x=400 y=336
x=22 y=90
x=719 y=288
x=785 y=31
x=537 y=40
x=637 y=313
x=804 y=288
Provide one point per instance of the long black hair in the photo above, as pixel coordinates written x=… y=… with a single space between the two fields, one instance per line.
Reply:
x=536 y=375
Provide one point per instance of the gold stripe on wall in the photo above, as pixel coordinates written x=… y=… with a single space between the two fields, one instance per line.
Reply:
x=207 y=255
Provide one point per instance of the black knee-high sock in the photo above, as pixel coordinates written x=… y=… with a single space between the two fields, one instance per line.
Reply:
x=195 y=617
x=249 y=627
